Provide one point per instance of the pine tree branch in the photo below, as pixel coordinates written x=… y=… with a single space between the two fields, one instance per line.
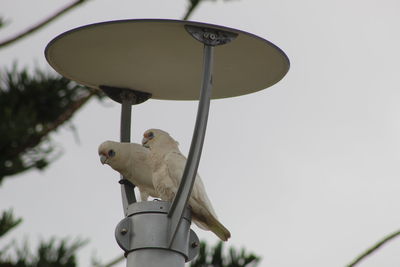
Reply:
x=193 y=4
x=51 y=253
x=373 y=248
x=41 y=24
x=61 y=119
x=191 y=8
x=7 y=222
x=2 y=22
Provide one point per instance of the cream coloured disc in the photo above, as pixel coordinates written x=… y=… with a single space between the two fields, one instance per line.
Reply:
x=160 y=57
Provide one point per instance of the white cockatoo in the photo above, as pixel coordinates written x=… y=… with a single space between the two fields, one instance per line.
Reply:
x=168 y=164
x=132 y=161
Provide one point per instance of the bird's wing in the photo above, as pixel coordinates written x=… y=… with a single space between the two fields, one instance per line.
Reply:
x=203 y=213
x=136 y=167
x=144 y=195
x=176 y=164
x=164 y=186
x=139 y=166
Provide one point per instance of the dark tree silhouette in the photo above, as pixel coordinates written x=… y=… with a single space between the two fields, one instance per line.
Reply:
x=33 y=106
x=215 y=257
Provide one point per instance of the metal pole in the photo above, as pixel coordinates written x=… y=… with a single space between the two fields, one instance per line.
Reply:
x=157 y=233
x=143 y=233
x=127 y=188
x=192 y=163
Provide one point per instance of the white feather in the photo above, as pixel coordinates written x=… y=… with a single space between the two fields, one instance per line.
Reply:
x=157 y=171
x=168 y=165
x=132 y=161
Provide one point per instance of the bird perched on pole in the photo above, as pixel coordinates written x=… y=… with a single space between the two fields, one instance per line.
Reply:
x=132 y=161
x=168 y=165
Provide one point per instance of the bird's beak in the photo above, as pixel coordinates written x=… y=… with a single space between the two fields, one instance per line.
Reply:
x=103 y=159
x=144 y=142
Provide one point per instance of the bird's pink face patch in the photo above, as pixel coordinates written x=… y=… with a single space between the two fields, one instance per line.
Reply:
x=147 y=136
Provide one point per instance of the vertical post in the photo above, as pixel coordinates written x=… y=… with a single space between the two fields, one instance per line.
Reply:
x=127 y=188
x=154 y=235
x=143 y=236
x=192 y=163
x=143 y=233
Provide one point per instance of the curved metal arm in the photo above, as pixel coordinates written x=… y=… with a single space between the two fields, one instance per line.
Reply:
x=192 y=163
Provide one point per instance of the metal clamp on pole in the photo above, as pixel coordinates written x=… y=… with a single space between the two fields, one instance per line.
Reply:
x=210 y=38
x=143 y=236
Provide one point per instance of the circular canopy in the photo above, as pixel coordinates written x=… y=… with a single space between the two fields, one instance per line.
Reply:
x=160 y=57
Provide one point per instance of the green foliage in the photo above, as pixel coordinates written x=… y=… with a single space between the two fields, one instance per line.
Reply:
x=49 y=254
x=32 y=106
x=192 y=6
x=7 y=222
x=215 y=257
x=2 y=23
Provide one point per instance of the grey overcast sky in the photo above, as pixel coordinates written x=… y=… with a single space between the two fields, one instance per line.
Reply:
x=305 y=173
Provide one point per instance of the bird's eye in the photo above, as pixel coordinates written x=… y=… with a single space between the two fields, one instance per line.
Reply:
x=150 y=135
x=111 y=153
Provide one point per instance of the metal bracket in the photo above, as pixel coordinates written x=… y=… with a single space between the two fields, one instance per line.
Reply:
x=194 y=245
x=123 y=233
x=146 y=228
x=210 y=36
x=117 y=94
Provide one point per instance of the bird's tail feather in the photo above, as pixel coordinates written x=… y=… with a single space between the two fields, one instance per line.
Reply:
x=207 y=220
x=219 y=229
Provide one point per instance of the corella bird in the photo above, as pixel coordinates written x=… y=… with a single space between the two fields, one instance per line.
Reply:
x=168 y=164
x=132 y=161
